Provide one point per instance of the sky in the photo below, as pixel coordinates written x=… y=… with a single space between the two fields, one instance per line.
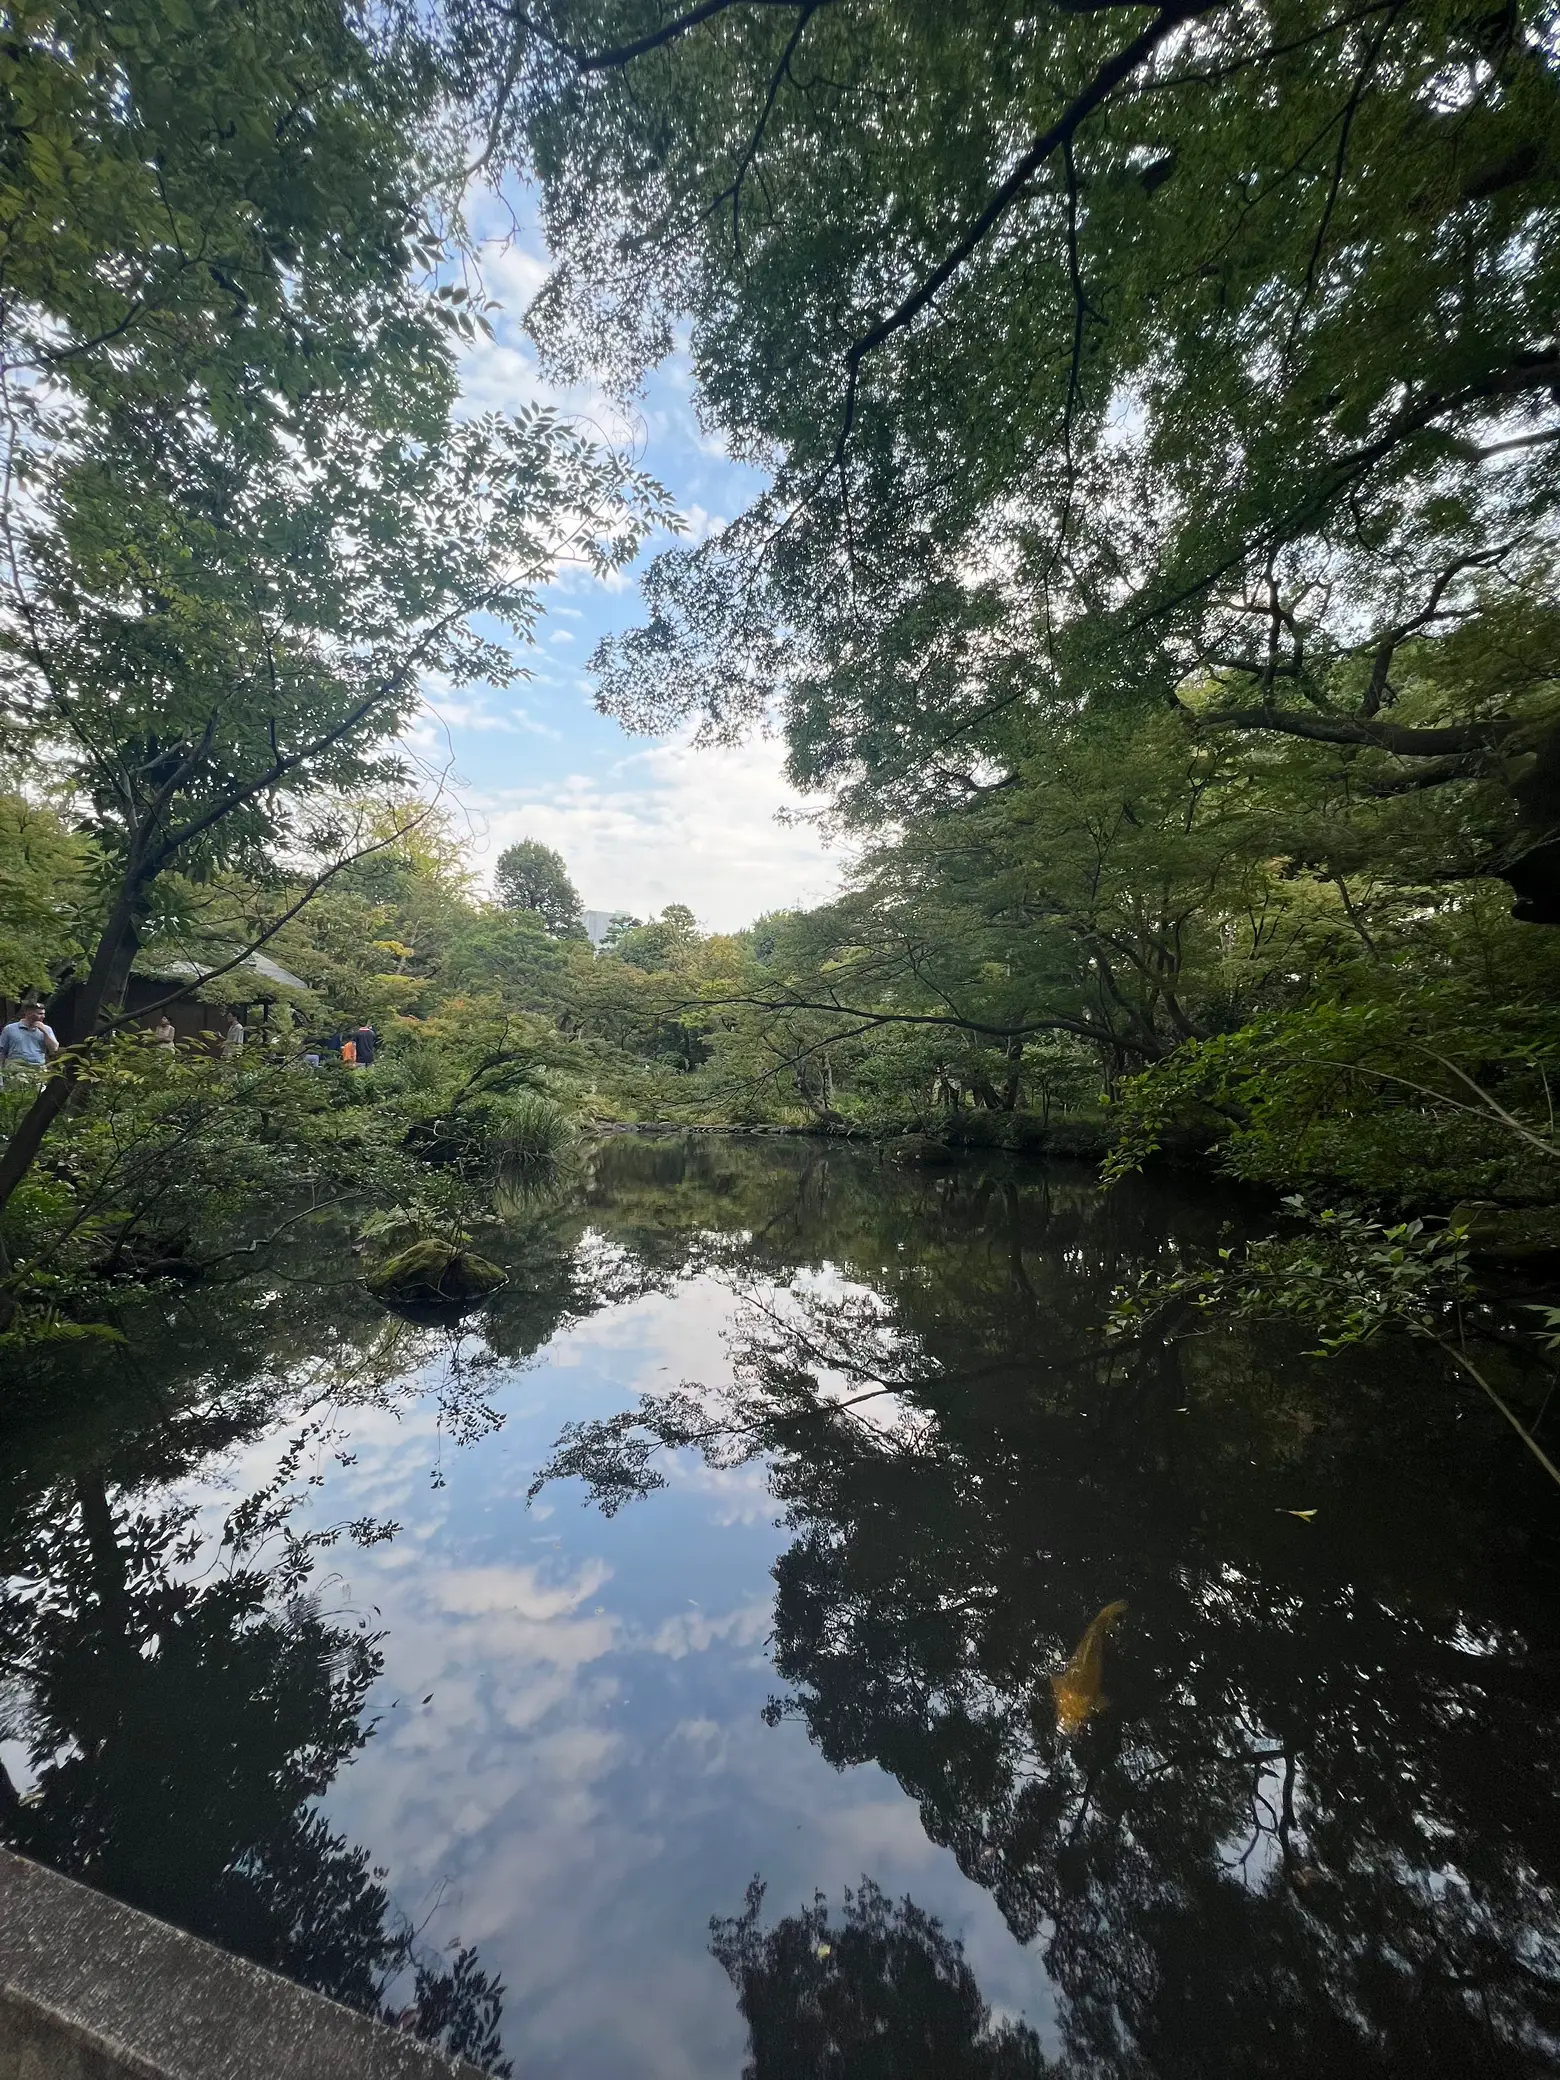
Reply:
x=640 y=821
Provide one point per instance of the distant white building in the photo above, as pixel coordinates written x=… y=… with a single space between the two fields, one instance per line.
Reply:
x=596 y=923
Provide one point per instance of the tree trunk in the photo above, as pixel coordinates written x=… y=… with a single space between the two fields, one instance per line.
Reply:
x=1013 y=1083
x=83 y=1009
x=110 y=1576
x=1534 y=876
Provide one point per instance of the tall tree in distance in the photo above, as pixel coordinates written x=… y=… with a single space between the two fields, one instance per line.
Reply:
x=531 y=876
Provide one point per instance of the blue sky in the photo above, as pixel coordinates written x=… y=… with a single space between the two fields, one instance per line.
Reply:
x=641 y=821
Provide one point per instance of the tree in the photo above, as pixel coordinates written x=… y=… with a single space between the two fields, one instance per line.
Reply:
x=1199 y=356
x=618 y=923
x=45 y=894
x=229 y=561
x=884 y=1992
x=211 y=656
x=531 y=876
x=665 y=942
x=173 y=180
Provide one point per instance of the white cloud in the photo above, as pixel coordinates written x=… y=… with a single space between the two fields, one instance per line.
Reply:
x=522 y=1591
x=503 y=373
x=471 y=708
x=699 y=525
x=673 y=824
x=695 y=1631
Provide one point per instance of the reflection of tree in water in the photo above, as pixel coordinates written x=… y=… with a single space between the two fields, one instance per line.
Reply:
x=880 y=1994
x=1313 y=1830
x=181 y=1725
x=183 y=1710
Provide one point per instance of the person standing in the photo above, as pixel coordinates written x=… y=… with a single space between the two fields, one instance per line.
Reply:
x=26 y=1044
x=365 y=1039
x=233 y=1038
x=164 y=1033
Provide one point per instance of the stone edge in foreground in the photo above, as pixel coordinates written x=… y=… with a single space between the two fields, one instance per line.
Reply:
x=92 y=1990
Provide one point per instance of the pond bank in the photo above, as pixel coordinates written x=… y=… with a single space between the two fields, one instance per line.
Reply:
x=93 y=1990
x=1007 y=1133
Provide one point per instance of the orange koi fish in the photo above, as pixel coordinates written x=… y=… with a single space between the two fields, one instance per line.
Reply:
x=1077 y=1687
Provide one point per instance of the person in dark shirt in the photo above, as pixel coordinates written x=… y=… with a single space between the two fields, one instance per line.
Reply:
x=365 y=1038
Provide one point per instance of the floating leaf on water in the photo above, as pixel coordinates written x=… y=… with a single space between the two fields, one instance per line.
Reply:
x=1078 y=1689
x=1305 y=1515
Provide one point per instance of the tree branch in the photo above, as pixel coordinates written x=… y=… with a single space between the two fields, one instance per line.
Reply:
x=911 y=1018
x=313 y=888
x=1100 y=88
x=1452 y=740
x=626 y=53
x=733 y=193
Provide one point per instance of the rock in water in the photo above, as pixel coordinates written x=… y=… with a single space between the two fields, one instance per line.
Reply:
x=434 y=1275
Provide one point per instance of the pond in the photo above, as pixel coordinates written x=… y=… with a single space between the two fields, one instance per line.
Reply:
x=290 y=1659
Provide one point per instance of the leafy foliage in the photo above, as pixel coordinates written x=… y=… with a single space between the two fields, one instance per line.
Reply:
x=1199 y=359
x=1344 y=1275
x=533 y=877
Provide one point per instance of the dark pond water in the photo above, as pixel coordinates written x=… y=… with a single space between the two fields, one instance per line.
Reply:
x=288 y=1659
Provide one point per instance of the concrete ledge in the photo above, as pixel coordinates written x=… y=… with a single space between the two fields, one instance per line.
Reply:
x=92 y=1990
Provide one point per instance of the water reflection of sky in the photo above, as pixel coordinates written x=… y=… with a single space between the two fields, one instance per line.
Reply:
x=590 y=1777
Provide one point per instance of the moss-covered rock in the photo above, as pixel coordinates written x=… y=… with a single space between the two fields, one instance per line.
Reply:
x=431 y=1274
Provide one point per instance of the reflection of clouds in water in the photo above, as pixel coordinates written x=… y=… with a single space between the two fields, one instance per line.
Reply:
x=590 y=1779
x=740 y=1493
x=519 y=1785
x=682 y=1328
x=592 y=1788
x=693 y=1632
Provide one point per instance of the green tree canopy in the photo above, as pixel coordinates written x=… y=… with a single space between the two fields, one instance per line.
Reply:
x=665 y=942
x=531 y=876
x=1201 y=355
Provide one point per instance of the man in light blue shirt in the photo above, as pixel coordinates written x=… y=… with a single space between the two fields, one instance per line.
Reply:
x=26 y=1044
